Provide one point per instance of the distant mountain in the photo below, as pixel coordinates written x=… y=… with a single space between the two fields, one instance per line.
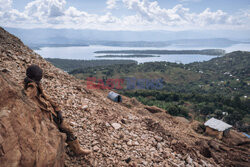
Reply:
x=213 y=42
x=34 y=37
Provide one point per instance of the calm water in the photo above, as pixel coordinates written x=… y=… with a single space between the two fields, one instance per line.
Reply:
x=87 y=53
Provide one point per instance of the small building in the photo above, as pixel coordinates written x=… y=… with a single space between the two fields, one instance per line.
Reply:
x=115 y=97
x=217 y=128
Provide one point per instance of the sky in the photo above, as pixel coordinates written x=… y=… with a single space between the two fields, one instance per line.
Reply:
x=135 y=15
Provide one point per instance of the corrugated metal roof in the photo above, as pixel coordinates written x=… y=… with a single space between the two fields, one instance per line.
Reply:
x=217 y=124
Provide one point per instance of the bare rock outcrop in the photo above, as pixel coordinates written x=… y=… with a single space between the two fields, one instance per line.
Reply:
x=26 y=137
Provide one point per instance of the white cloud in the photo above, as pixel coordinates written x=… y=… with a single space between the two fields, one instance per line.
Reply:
x=152 y=12
x=45 y=8
x=207 y=17
x=108 y=18
x=111 y=4
x=179 y=15
x=149 y=15
x=5 y=5
x=73 y=12
x=7 y=14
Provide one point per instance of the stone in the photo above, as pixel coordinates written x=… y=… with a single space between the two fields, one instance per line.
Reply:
x=158 y=138
x=134 y=164
x=152 y=149
x=123 y=121
x=85 y=108
x=152 y=141
x=128 y=160
x=5 y=70
x=95 y=143
x=144 y=136
x=96 y=148
x=4 y=113
x=182 y=164
x=73 y=123
x=134 y=101
x=154 y=109
x=121 y=136
x=189 y=160
x=184 y=157
x=204 y=163
x=196 y=164
x=182 y=119
x=173 y=142
x=159 y=146
x=214 y=145
x=129 y=143
x=136 y=143
x=145 y=163
x=116 y=126
x=132 y=117
x=174 y=164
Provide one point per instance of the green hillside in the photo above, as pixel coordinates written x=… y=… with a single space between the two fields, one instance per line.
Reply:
x=217 y=88
x=227 y=75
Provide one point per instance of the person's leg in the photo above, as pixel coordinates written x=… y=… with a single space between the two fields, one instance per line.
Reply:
x=64 y=127
x=72 y=140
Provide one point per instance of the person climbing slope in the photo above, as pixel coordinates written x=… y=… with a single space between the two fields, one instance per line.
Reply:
x=34 y=90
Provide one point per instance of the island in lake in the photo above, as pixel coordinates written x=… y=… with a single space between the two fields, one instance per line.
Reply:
x=200 y=52
x=127 y=56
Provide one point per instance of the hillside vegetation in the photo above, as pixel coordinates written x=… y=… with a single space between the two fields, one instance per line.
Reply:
x=69 y=64
x=216 y=88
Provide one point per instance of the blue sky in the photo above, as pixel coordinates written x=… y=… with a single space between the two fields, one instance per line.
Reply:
x=127 y=14
x=95 y=6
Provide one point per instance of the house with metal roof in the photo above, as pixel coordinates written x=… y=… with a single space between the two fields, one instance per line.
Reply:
x=217 y=128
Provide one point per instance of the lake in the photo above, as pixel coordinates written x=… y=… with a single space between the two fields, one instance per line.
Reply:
x=87 y=53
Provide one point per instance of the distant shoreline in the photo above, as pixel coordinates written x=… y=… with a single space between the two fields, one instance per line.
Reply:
x=126 y=56
x=39 y=46
x=214 y=52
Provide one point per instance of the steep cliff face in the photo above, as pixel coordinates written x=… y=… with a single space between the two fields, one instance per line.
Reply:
x=26 y=138
x=120 y=134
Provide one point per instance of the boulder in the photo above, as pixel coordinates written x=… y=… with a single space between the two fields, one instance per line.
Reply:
x=27 y=136
x=182 y=120
x=154 y=109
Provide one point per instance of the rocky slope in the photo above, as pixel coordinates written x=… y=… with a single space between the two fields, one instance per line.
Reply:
x=120 y=134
